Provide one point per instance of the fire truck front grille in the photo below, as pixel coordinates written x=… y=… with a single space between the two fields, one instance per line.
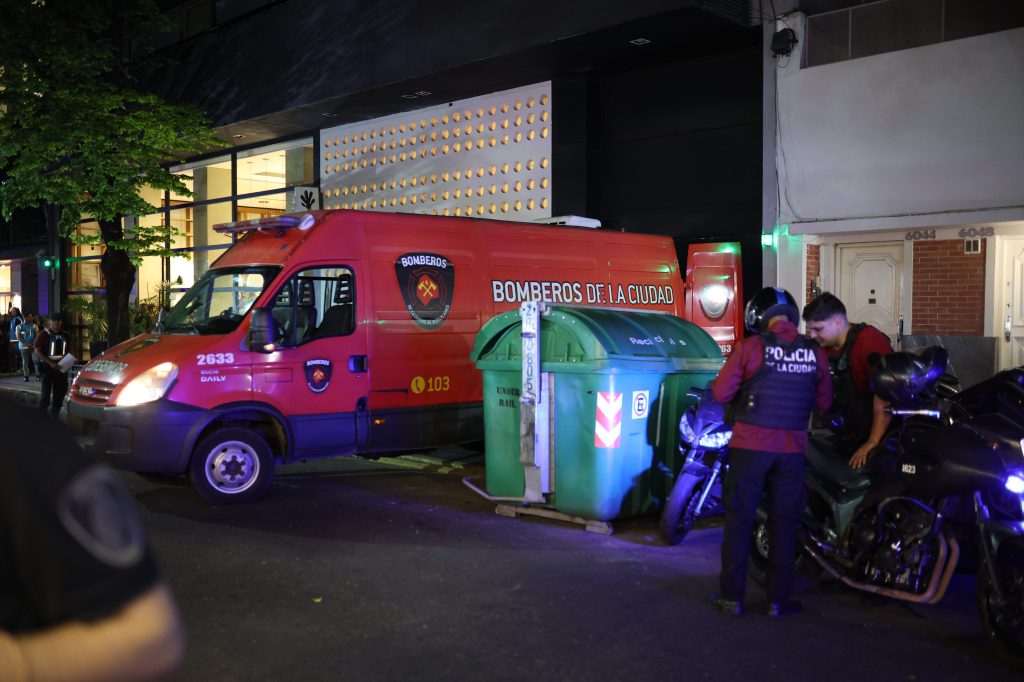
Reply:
x=93 y=392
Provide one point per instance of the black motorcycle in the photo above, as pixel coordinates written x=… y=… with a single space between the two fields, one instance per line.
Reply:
x=948 y=480
x=703 y=441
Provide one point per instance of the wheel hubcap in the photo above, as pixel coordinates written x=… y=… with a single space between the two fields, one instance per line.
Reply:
x=232 y=467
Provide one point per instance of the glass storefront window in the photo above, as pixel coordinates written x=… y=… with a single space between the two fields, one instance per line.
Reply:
x=150 y=273
x=6 y=295
x=208 y=179
x=278 y=166
x=195 y=227
x=264 y=206
x=85 y=261
x=263 y=177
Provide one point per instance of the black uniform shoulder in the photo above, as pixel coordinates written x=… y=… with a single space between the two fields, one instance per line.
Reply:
x=84 y=529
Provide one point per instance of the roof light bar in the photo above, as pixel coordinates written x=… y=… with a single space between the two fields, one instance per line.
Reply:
x=278 y=222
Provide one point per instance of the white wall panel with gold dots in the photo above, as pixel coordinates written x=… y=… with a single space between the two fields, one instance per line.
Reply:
x=488 y=156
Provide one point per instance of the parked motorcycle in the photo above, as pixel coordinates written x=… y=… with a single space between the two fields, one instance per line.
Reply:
x=947 y=480
x=703 y=441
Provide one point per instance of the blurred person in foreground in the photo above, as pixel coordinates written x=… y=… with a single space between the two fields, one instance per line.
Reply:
x=80 y=595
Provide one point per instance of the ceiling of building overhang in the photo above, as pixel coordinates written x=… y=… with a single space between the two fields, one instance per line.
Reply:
x=689 y=33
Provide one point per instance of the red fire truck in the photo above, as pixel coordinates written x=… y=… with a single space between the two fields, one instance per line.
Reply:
x=341 y=332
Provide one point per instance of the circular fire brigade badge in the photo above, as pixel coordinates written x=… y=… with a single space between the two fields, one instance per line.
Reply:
x=427 y=283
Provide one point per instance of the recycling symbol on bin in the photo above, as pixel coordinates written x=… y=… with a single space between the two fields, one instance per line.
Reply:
x=641 y=404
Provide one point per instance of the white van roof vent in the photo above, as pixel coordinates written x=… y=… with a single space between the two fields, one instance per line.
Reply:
x=570 y=220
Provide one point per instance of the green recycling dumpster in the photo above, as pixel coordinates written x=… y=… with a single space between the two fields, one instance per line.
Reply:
x=606 y=401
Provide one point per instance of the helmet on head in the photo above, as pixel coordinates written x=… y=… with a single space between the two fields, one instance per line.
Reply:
x=768 y=303
x=905 y=379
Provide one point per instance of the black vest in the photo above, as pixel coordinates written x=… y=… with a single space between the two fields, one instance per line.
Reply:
x=855 y=409
x=781 y=395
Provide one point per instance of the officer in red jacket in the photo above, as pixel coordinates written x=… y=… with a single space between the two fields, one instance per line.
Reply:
x=777 y=379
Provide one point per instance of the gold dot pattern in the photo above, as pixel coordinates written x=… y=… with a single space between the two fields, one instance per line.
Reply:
x=494 y=149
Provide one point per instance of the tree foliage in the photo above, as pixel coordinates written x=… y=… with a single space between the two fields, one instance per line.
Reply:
x=74 y=129
x=79 y=133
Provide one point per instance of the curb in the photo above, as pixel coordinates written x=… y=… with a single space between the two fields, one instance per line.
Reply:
x=26 y=395
x=20 y=395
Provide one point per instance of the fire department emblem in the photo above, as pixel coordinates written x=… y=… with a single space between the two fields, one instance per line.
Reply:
x=427 y=283
x=318 y=374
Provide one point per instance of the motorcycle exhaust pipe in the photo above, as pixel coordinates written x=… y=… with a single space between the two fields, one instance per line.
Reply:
x=941 y=576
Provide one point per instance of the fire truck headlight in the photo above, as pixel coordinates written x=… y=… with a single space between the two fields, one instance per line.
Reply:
x=149 y=386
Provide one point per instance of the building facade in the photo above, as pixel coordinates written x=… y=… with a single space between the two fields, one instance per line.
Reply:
x=896 y=167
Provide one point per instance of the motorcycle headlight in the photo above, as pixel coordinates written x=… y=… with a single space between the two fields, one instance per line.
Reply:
x=1015 y=482
x=716 y=439
x=686 y=429
x=149 y=386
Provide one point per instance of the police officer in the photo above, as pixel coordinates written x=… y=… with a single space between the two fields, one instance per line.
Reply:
x=853 y=350
x=50 y=346
x=774 y=379
x=80 y=595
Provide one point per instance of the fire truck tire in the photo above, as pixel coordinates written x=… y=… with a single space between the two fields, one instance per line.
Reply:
x=232 y=465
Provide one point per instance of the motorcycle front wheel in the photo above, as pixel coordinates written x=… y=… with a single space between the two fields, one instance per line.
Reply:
x=1004 y=621
x=680 y=510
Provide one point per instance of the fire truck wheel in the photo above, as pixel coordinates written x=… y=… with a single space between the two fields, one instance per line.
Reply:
x=232 y=465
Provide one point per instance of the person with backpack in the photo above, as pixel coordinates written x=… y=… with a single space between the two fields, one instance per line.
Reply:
x=774 y=380
x=853 y=350
x=14 y=322
x=26 y=337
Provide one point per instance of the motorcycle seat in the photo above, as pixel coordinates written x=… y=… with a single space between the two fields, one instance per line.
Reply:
x=834 y=467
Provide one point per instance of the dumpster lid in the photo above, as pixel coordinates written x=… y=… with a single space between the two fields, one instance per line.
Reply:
x=592 y=338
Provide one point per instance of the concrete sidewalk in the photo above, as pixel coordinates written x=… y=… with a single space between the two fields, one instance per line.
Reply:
x=14 y=387
x=16 y=383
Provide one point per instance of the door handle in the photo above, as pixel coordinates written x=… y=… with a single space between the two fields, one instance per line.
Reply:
x=357 y=363
x=1007 y=329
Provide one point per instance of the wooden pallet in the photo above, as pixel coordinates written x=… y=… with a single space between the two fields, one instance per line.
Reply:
x=590 y=525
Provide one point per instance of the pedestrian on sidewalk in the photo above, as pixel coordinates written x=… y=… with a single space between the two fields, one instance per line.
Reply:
x=15 y=320
x=50 y=346
x=27 y=331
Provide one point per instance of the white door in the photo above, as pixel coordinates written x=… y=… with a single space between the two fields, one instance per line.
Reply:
x=870 y=278
x=1010 y=304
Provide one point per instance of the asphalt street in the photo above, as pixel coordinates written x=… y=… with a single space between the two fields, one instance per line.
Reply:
x=353 y=569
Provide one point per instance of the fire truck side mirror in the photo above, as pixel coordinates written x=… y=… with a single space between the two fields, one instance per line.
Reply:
x=262 y=332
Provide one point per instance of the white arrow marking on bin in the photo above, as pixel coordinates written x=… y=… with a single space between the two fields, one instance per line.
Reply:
x=608 y=422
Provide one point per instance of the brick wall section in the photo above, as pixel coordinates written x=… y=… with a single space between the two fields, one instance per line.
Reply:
x=949 y=289
x=813 y=268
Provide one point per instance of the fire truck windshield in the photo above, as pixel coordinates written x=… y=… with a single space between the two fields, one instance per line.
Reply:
x=218 y=302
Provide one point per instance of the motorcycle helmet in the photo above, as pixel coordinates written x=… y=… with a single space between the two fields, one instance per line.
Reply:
x=905 y=379
x=936 y=358
x=768 y=303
